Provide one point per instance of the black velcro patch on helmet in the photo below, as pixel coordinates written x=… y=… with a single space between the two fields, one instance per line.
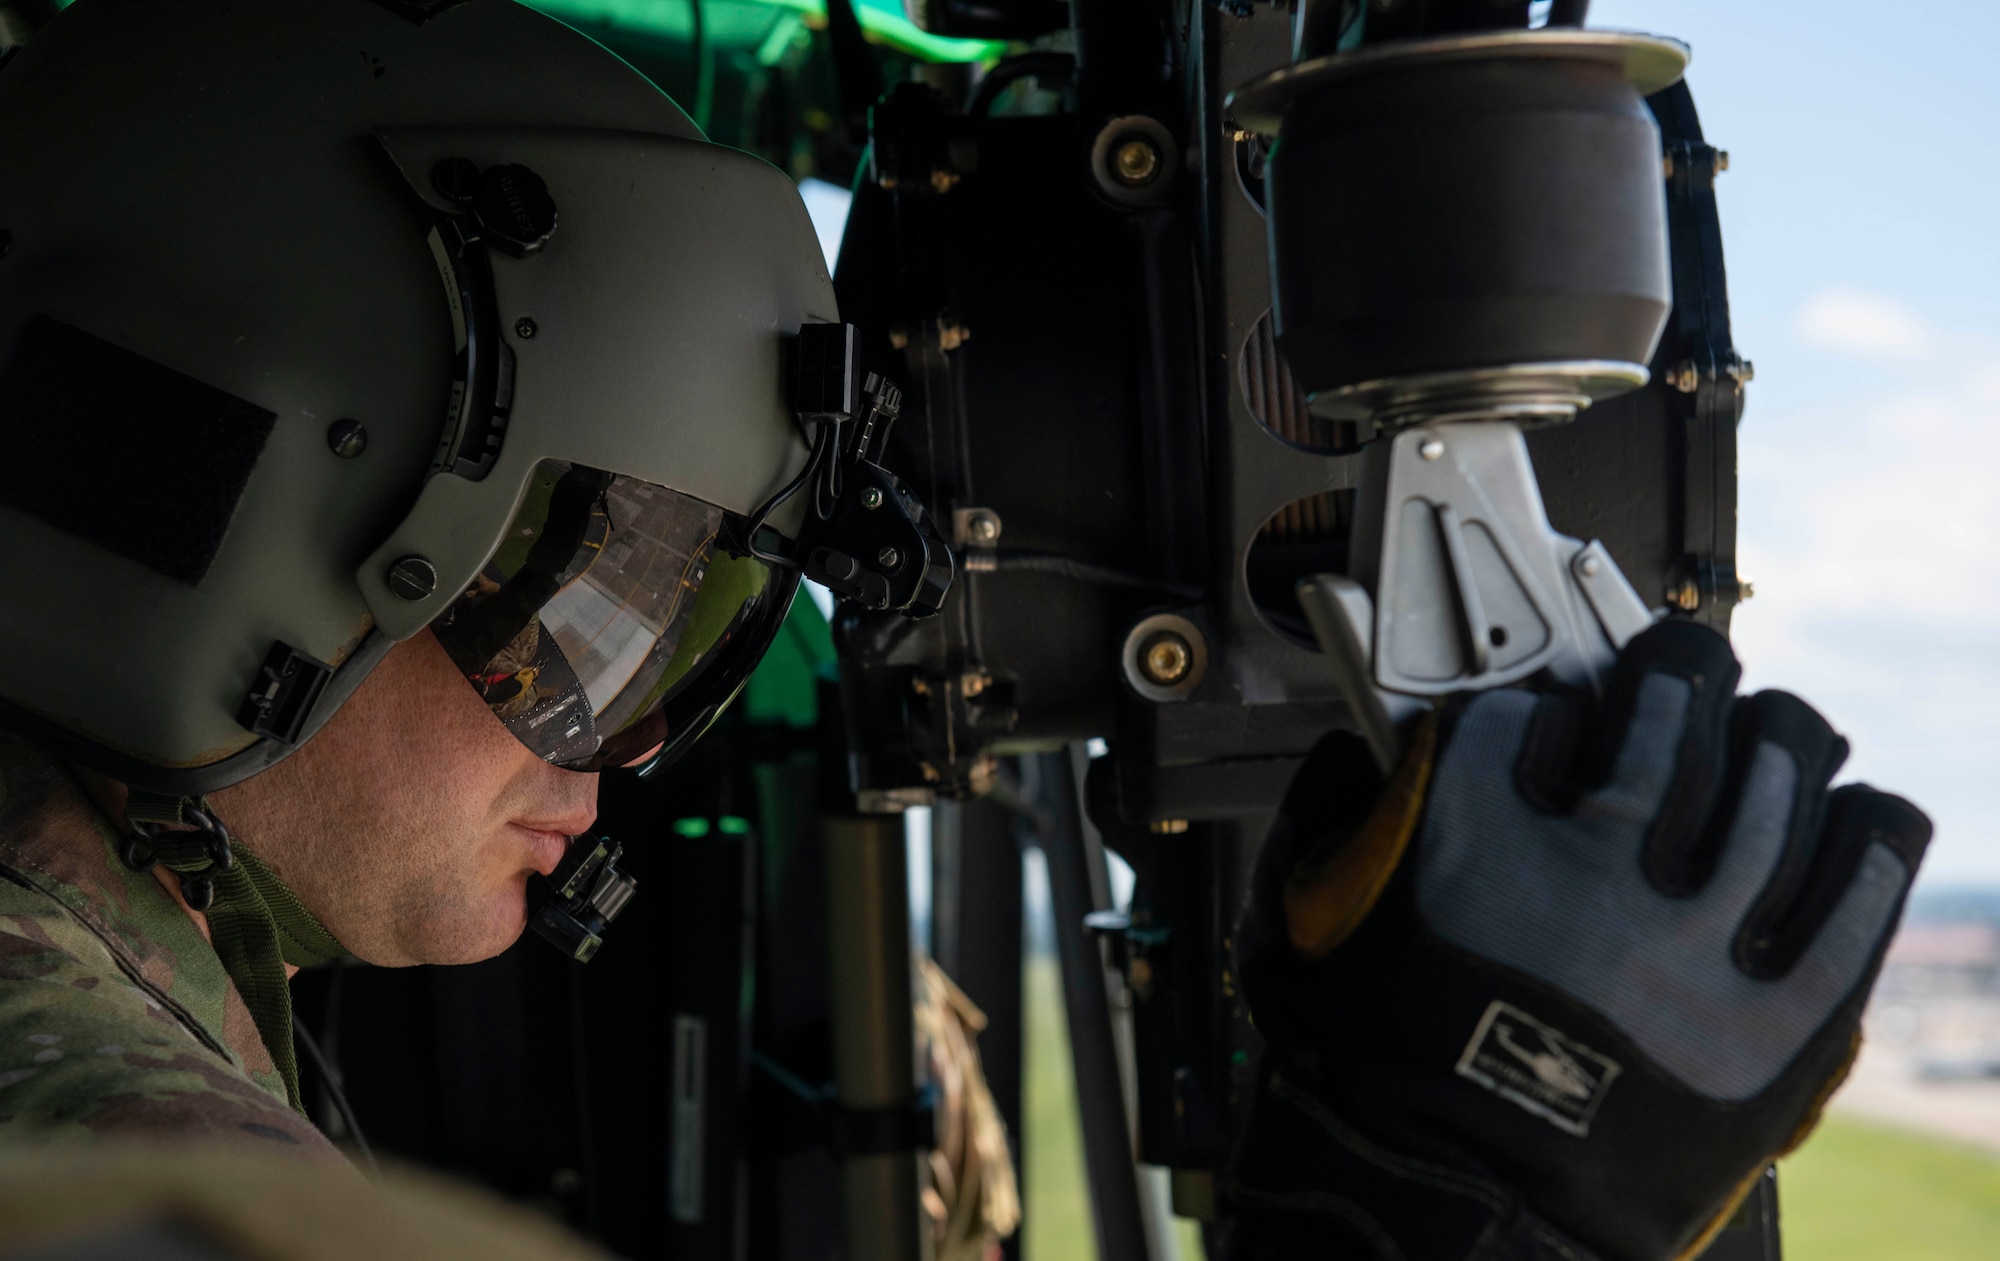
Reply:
x=135 y=457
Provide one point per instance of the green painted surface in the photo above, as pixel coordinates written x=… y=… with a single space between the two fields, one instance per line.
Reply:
x=785 y=687
x=1862 y=1192
x=754 y=23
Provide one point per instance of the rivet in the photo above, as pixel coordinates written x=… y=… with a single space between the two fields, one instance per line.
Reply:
x=1431 y=449
x=1136 y=162
x=871 y=498
x=525 y=329
x=346 y=438
x=413 y=578
x=1589 y=567
x=1166 y=659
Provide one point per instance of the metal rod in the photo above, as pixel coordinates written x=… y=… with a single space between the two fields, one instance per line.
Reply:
x=1100 y=1093
x=976 y=927
x=874 y=1037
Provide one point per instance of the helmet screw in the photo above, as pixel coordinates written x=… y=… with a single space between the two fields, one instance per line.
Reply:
x=871 y=498
x=525 y=329
x=413 y=578
x=890 y=559
x=346 y=438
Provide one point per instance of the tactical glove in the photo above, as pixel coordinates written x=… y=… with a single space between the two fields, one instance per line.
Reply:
x=1572 y=979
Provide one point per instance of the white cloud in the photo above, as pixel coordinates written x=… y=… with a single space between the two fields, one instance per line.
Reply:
x=1867 y=325
x=1872 y=527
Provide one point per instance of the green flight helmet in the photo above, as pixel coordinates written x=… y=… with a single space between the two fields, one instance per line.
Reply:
x=325 y=322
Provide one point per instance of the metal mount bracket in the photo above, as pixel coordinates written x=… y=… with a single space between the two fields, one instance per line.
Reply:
x=1473 y=588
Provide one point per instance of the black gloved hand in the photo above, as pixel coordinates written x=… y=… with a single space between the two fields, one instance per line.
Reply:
x=1580 y=988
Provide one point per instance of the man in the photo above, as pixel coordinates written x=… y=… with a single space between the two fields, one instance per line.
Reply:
x=379 y=383
x=299 y=669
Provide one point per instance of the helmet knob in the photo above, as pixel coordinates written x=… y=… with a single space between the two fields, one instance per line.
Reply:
x=514 y=209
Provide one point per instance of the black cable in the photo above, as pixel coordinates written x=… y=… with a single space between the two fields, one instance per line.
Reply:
x=1015 y=561
x=331 y=1082
x=822 y=444
x=1043 y=65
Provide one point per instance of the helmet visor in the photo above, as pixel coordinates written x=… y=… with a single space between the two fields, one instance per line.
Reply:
x=608 y=629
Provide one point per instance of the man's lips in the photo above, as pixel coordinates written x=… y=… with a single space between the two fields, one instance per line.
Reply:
x=547 y=844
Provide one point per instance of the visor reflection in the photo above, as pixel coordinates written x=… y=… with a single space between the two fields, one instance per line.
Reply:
x=605 y=598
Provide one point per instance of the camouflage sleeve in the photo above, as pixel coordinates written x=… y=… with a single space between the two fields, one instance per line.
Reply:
x=85 y=1053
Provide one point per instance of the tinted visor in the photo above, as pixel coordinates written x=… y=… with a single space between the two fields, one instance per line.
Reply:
x=608 y=629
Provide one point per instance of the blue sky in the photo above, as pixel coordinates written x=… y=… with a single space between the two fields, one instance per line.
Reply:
x=1861 y=221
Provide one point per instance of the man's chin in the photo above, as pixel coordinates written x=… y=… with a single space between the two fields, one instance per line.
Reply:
x=474 y=938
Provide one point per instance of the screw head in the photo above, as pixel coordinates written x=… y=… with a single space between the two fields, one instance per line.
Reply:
x=525 y=329
x=871 y=498
x=890 y=559
x=1431 y=449
x=413 y=578
x=1166 y=659
x=1135 y=162
x=346 y=438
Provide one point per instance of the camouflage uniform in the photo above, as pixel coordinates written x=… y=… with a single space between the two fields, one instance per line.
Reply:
x=116 y=1017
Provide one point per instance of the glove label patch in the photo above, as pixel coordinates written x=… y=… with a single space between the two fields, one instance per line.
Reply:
x=1526 y=1062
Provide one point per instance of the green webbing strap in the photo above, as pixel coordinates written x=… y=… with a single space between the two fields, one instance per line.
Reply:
x=256 y=924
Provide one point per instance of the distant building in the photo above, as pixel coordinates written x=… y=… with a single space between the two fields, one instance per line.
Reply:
x=1931 y=961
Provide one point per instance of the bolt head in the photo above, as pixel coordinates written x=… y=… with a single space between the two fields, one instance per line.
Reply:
x=985 y=529
x=1166 y=659
x=1431 y=449
x=346 y=438
x=413 y=578
x=525 y=329
x=871 y=498
x=1136 y=162
x=890 y=559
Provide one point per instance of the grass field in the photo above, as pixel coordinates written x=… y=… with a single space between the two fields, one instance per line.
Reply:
x=1856 y=1192
x=1859 y=1192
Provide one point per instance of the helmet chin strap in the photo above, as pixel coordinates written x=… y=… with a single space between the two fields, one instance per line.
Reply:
x=256 y=924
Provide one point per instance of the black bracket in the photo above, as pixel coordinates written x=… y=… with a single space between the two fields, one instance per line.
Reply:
x=572 y=906
x=282 y=699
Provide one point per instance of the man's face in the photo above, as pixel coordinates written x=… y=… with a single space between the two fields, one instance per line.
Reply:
x=410 y=823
